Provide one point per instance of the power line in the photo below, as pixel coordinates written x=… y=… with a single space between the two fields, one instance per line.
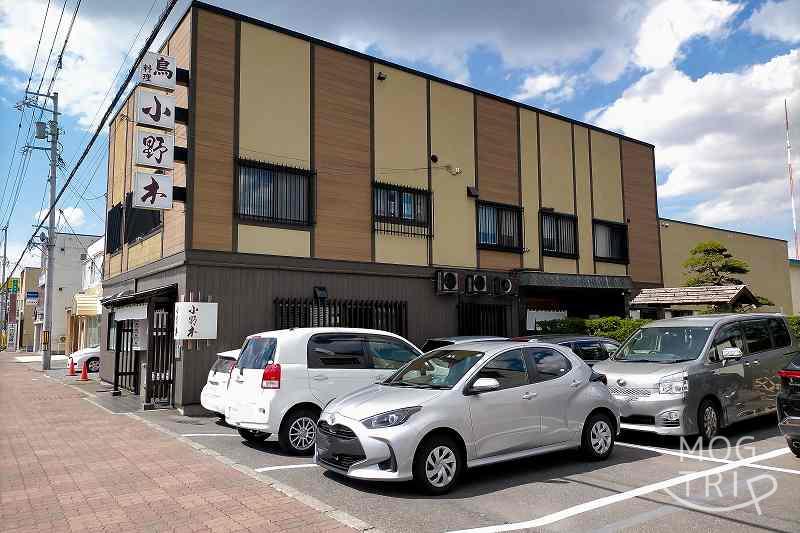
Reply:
x=114 y=102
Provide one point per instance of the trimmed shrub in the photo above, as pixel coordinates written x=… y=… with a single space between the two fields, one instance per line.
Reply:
x=794 y=324
x=612 y=327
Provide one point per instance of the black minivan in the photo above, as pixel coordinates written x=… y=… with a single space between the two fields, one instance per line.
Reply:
x=789 y=404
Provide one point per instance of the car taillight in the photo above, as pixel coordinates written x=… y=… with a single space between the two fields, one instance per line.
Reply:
x=786 y=379
x=272 y=376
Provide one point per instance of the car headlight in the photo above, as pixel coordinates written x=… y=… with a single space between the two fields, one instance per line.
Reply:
x=675 y=384
x=390 y=419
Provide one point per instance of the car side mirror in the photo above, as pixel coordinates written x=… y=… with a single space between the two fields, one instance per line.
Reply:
x=731 y=354
x=484 y=385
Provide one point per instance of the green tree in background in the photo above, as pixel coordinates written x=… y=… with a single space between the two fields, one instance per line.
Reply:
x=710 y=263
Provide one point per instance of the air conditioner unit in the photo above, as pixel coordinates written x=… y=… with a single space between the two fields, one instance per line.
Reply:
x=503 y=286
x=477 y=284
x=446 y=282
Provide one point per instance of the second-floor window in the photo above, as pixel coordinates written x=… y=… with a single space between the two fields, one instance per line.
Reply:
x=499 y=227
x=114 y=229
x=401 y=210
x=139 y=222
x=275 y=194
x=559 y=234
x=610 y=241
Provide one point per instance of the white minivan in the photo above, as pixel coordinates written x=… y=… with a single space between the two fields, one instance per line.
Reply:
x=283 y=379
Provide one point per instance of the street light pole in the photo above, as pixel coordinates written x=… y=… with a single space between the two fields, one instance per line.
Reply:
x=49 y=292
x=6 y=282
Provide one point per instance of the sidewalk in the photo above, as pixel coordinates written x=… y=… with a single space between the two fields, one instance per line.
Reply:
x=66 y=465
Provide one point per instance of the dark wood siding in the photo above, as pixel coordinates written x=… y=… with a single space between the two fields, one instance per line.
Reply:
x=497 y=153
x=342 y=156
x=641 y=210
x=212 y=209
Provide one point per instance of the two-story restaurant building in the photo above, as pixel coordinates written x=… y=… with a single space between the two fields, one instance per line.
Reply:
x=325 y=186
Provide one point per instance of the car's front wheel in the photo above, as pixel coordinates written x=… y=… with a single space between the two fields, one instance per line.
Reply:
x=708 y=420
x=794 y=445
x=298 y=432
x=93 y=364
x=598 y=438
x=438 y=464
x=251 y=435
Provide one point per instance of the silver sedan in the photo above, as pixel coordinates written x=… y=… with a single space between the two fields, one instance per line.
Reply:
x=468 y=405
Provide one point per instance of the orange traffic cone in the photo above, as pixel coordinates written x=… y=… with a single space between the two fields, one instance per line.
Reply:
x=84 y=372
x=71 y=371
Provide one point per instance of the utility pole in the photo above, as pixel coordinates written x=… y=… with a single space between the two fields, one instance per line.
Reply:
x=5 y=282
x=49 y=293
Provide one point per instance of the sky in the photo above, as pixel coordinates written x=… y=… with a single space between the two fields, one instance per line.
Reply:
x=703 y=80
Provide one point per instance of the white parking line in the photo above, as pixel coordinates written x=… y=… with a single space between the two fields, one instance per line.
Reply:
x=210 y=435
x=284 y=467
x=666 y=451
x=624 y=496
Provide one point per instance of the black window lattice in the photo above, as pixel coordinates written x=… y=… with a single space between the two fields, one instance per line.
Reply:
x=499 y=226
x=275 y=194
x=385 y=315
x=401 y=210
x=559 y=234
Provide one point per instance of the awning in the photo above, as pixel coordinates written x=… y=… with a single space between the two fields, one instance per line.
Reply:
x=87 y=305
x=573 y=281
x=130 y=312
x=130 y=297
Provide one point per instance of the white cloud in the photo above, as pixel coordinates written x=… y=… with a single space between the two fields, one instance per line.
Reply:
x=777 y=20
x=68 y=216
x=551 y=87
x=720 y=137
x=672 y=23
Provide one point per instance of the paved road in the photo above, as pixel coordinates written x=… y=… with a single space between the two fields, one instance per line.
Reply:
x=649 y=484
x=67 y=465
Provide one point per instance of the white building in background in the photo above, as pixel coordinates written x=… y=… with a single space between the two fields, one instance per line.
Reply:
x=70 y=255
x=83 y=318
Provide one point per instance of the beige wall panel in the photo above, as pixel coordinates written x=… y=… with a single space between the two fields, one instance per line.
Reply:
x=212 y=209
x=342 y=145
x=556 y=154
x=114 y=265
x=606 y=177
x=145 y=251
x=768 y=258
x=174 y=229
x=120 y=153
x=274 y=241
x=401 y=128
x=530 y=186
x=583 y=198
x=400 y=250
x=275 y=97
x=610 y=269
x=560 y=265
x=452 y=140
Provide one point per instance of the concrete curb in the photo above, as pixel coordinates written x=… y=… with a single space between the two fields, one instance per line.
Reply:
x=331 y=512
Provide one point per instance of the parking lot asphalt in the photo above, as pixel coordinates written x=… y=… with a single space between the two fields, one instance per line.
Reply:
x=649 y=484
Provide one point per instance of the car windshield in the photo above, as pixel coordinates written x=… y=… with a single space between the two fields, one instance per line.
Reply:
x=439 y=369
x=663 y=345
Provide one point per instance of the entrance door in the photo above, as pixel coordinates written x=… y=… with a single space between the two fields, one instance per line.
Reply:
x=126 y=374
x=161 y=357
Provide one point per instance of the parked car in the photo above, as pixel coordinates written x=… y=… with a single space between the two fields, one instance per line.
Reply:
x=789 y=404
x=284 y=378
x=214 y=393
x=698 y=374
x=90 y=356
x=590 y=349
x=441 y=342
x=467 y=405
